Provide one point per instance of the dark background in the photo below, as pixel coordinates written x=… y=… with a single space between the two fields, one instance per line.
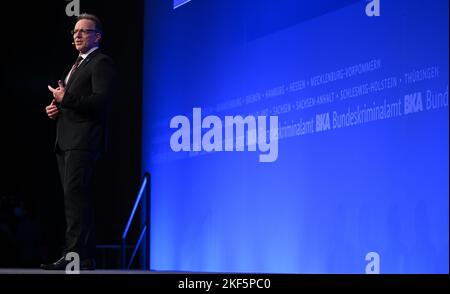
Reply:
x=36 y=48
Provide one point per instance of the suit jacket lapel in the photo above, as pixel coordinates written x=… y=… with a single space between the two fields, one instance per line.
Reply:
x=80 y=67
x=88 y=58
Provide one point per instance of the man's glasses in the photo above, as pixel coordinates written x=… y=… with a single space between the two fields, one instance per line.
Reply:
x=82 y=31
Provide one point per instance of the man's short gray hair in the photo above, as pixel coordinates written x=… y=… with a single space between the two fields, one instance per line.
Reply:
x=94 y=18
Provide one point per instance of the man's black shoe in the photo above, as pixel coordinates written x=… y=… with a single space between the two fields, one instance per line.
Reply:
x=61 y=264
x=87 y=264
x=58 y=265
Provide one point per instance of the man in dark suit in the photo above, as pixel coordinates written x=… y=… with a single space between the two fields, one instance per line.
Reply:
x=79 y=107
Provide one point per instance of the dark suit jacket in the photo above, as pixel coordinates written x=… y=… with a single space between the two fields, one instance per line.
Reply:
x=81 y=122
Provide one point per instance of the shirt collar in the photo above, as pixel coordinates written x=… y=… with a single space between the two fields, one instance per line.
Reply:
x=84 y=55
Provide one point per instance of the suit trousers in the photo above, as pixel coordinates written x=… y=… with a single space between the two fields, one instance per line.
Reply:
x=76 y=170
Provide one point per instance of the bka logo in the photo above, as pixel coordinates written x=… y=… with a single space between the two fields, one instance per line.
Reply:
x=322 y=122
x=73 y=267
x=73 y=8
x=373 y=8
x=413 y=103
x=373 y=267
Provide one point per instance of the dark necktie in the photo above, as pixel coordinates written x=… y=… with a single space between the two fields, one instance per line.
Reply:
x=77 y=62
x=75 y=66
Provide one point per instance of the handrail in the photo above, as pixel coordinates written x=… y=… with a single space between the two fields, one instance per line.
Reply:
x=137 y=246
x=136 y=203
x=145 y=225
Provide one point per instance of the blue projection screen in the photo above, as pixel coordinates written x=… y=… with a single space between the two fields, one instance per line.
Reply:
x=362 y=165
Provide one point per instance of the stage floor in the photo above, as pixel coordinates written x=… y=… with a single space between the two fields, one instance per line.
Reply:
x=29 y=271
